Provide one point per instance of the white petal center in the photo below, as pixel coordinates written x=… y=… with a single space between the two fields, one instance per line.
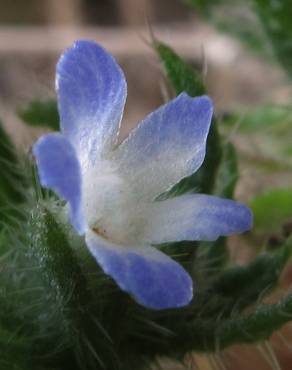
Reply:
x=111 y=208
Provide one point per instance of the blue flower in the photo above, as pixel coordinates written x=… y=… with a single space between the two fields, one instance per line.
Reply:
x=111 y=189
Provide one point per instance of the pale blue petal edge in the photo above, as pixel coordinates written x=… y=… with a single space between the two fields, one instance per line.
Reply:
x=92 y=91
x=59 y=170
x=154 y=279
x=195 y=217
x=168 y=145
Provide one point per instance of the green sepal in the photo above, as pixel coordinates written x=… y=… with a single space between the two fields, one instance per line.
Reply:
x=79 y=298
x=49 y=245
x=180 y=74
x=41 y=113
x=184 y=78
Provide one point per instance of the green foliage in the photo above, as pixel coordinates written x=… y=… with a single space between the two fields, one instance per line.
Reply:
x=271 y=209
x=48 y=308
x=12 y=182
x=270 y=129
x=41 y=113
x=227 y=173
x=181 y=75
x=258 y=326
x=236 y=18
x=64 y=313
x=276 y=20
x=264 y=272
x=271 y=118
x=80 y=306
x=184 y=78
x=205 y=7
x=255 y=327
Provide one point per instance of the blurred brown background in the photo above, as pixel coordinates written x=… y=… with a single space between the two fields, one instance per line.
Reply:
x=33 y=33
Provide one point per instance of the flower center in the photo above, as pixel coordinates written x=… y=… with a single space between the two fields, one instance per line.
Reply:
x=111 y=209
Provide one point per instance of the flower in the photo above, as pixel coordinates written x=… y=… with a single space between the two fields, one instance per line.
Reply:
x=112 y=189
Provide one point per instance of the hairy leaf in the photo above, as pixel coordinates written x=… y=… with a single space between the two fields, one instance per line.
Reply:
x=264 y=273
x=206 y=335
x=12 y=180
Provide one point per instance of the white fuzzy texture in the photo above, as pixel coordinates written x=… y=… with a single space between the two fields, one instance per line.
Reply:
x=111 y=208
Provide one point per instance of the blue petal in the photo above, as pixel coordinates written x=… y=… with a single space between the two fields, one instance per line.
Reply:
x=92 y=91
x=59 y=170
x=168 y=144
x=195 y=217
x=154 y=279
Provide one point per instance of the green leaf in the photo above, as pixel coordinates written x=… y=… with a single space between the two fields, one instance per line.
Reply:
x=264 y=271
x=15 y=351
x=50 y=246
x=184 y=78
x=271 y=118
x=180 y=74
x=41 y=113
x=68 y=286
x=227 y=173
x=12 y=180
x=207 y=335
x=271 y=209
x=270 y=128
x=258 y=326
x=276 y=19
